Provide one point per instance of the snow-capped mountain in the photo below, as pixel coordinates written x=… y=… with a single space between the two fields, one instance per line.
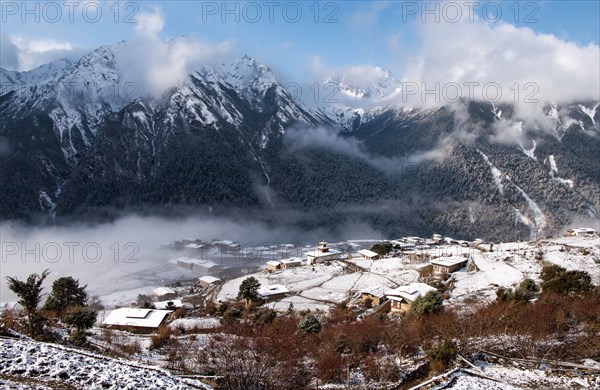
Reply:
x=377 y=88
x=74 y=137
x=10 y=79
x=351 y=99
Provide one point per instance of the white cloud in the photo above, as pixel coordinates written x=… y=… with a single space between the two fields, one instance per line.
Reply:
x=150 y=23
x=329 y=138
x=171 y=62
x=33 y=52
x=352 y=74
x=156 y=64
x=465 y=52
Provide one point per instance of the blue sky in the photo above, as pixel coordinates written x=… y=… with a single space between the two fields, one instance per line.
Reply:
x=327 y=36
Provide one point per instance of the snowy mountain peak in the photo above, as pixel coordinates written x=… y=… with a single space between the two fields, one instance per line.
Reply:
x=247 y=74
x=371 y=83
x=52 y=71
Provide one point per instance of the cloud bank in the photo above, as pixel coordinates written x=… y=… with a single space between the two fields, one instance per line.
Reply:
x=329 y=138
x=511 y=57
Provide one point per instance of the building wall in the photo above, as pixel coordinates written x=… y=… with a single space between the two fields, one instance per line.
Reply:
x=448 y=269
x=274 y=297
x=376 y=300
x=313 y=260
x=205 y=284
x=400 y=307
x=292 y=265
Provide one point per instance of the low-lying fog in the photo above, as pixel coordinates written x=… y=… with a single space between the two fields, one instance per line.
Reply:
x=124 y=254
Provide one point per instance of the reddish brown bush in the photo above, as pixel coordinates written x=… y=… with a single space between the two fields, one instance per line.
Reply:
x=330 y=367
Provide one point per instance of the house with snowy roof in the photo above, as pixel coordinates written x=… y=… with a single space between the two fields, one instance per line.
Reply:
x=448 y=264
x=201 y=266
x=138 y=320
x=580 y=232
x=195 y=249
x=402 y=297
x=375 y=294
x=273 y=292
x=321 y=254
x=164 y=292
x=208 y=280
x=368 y=255
x=291 y=263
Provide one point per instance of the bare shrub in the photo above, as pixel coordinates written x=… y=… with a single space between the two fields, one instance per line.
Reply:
x=162 y=338
x=131 y=348
x=330 y=366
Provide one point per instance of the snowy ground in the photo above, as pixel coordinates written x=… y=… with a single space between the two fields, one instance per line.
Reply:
x=42 y=361
x=505 y=266
x=510 y=378
x=492 y=273
x=295 y=279
x=195 y=323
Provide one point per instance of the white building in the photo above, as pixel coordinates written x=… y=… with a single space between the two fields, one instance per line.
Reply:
x=164 y=292
x=580 y=232
x=208 y=280
x=321 y=254
x=291 y=263
x=144 y=320
x=368 y=255
x=270 y=293
x=203 y=267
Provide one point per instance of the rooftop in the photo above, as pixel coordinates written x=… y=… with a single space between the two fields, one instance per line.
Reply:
x=194 y=261
x=376 y=291
x=195 y=246
x=143 y=318
x=409 y=292
x=274 y=289
x=448 y=261
x=368 y=253
x=209 y=279
x=293 y=260
x=163 y=291
x=583 y=230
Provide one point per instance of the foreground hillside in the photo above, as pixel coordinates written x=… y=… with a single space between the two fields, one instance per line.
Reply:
x=31 y=364
x=517 y=315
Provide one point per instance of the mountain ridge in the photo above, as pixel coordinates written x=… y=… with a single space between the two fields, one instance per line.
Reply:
x=220 y=138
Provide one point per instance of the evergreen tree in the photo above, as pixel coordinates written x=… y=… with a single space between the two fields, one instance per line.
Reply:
x=249 y=290
x=30 y=296
x=558 y=280
x=66 y=292
x=80 y=318
x=428 y=303
x=310 y=324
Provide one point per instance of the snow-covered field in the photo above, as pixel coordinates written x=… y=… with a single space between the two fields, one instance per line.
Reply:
x=512 y=378
x=83 y=370
x=195 y=323
x=295 y=279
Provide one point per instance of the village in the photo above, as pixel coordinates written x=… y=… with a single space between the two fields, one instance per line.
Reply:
x=372 y=276
x=404 y=313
